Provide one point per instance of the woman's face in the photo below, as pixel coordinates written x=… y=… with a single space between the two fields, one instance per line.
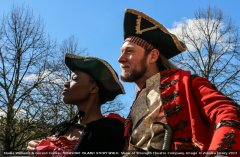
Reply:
x=79 y=88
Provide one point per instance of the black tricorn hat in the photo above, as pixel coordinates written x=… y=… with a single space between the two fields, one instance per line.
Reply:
x=137 y=24
x=100 y=71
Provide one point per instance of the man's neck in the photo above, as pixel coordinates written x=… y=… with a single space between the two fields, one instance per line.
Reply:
x=149 y=73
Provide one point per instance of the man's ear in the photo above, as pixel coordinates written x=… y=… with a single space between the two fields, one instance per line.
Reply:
x=153 y=56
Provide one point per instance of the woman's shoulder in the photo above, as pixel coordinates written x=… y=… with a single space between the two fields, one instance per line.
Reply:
x=114 y=117
x=111 y=120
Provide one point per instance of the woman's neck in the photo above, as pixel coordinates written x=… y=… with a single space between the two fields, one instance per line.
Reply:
x=92 y=112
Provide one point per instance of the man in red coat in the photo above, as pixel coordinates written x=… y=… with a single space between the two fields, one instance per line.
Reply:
x=173 y=111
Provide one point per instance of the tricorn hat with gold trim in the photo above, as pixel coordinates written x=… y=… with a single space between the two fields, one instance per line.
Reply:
x=137 y=24
x=100 y=71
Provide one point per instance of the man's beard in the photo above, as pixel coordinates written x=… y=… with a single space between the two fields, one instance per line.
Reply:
x=135 y=75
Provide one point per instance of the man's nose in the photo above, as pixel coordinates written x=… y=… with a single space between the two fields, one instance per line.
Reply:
x=122 y=58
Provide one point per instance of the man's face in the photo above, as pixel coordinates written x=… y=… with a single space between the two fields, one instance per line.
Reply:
x=132 y=62
x=78 y=88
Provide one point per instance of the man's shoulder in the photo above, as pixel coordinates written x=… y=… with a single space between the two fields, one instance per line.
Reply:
x=173 y=72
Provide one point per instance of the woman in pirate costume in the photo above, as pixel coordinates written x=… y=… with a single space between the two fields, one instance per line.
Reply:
x=93 y=83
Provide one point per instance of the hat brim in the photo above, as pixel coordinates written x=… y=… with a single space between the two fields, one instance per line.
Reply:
x=101 y=72
x=138 y=24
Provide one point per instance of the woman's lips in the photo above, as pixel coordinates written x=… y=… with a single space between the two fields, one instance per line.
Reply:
x=65 y=91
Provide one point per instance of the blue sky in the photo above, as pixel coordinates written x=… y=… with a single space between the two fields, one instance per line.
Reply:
x=98 y=24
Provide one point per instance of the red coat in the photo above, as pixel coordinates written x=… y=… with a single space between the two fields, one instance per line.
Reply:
x=193 y=108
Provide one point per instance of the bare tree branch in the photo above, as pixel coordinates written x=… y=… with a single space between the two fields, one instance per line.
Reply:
x=213 y=49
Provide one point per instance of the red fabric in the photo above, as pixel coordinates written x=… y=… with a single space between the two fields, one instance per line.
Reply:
x=219 y=134
x=128 y=127
x=62 y=146
x=214 y=108
x=56 y=147
x=117 y=116
x=206 y=107
x=201 y=108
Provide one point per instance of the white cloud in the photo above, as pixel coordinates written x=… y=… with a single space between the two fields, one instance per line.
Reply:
x=30 y=77
x=20 y=113
x=195 y=29
x=2 y=114
x=47 y=75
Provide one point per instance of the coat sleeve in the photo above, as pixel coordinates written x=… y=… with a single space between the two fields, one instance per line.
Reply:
x=221 y=113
